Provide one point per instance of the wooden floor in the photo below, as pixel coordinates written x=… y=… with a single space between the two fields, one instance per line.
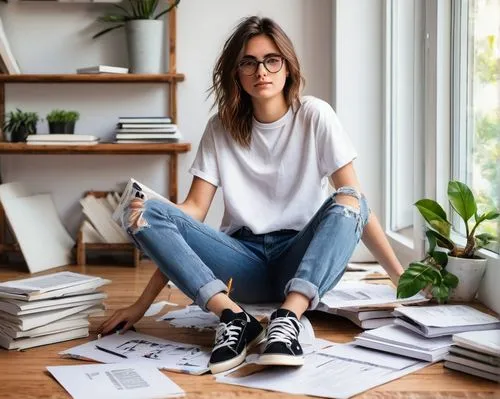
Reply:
x=23 y=374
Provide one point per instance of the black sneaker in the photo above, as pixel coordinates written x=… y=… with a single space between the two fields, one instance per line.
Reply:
x=282 y=347
x=235 y=333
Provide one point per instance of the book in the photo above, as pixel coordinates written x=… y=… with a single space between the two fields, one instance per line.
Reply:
x=400 y=341
x=487 y=341
x=435 y=321
x=46 y=283
x=102 y=69
x=18 y=307
x=25 y=343
x=472 y=371
x=481 y=357
x=147 y=126
x=489 y=368
x=150 y=141
x=143 y=136
x=61 y=137
x=68 y=323
x=133 y=189
x=89 y=143
x=144 y=119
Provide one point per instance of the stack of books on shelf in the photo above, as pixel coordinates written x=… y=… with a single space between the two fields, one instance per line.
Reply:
x=100 y=69
x=147 y=130
x=476 y=353
x=48 y=309
x=425 y=332
x=62 y=139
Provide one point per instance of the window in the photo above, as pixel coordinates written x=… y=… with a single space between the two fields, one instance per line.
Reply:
x=476 y=107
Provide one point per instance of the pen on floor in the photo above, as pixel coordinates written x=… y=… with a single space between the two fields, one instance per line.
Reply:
x=229 y=286
x=110 y=352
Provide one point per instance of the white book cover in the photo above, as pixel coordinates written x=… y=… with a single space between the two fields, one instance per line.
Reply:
x=472 y=371
x=102 y=69
x=143 y=136
x=25 y=343
x=132 y=190
x=101 y=220
x=90 y=234
x=487 y=341
x=115 y=381
x=6 y=54
x=84 y=288
x=434 y=321
x=46 y=283
x=65 y=143
x=144 y=119
x=163 y=129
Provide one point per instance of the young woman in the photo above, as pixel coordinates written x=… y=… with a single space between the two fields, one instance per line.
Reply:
x=283 y=238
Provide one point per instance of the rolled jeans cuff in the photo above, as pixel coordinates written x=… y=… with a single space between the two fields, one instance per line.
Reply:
x=305 y=288
x=208 y=291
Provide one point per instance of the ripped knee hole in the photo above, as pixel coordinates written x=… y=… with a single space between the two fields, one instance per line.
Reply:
x=346 y=199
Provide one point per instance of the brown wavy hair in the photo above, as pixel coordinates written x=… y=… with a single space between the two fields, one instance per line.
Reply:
x=234 y=104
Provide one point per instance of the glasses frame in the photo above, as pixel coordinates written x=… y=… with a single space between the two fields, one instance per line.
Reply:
x=263 y=62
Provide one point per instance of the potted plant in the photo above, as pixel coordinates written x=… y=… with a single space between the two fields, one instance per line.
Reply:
x=144 y=32
x=61 y=121
x=455 y=274
x=20 y=124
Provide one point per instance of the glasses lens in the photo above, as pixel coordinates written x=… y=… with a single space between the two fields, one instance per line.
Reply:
x=273 y=64
x=248 y=67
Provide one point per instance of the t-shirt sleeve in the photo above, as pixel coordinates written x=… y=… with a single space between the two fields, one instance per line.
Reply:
x=205 y=164
x=333 y=145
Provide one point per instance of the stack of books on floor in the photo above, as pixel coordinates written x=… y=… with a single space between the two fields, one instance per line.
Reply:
x=476 y=353
x=147 y=130
x=62 y=139
x=48 y=309
x=425 y=332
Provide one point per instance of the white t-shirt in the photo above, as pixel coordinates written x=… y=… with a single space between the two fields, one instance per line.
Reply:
x=282 y=179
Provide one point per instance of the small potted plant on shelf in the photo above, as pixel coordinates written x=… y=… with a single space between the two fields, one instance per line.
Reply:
x=455 y=274
x=61 y=121
x=20 y=124
x=144 y=31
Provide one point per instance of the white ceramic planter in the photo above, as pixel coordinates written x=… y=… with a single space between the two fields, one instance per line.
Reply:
x=469 y=273
x=145 y=45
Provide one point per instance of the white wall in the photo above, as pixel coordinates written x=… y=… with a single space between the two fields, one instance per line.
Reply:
x=56 y=38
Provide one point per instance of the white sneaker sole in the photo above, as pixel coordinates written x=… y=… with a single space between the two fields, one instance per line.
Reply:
x=281 y=360
x=236 y=361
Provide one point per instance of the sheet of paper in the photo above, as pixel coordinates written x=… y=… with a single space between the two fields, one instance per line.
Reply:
x=49 y=282
x=487 y=341
x=136 y=347
x=339 y=371
x=156 y=308
x=355 y=294
x=191 y=317
x=446 y=315
x=105 y=381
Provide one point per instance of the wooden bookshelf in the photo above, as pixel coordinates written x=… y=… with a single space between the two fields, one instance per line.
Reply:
x=93 y=78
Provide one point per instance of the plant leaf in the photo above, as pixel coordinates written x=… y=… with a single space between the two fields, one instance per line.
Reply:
x=414 y=279
x=432 y=241
x=106 y=31
x=441 y=292
x=450 y=280
x=462 y=200
x=168 y=9
x=442 y=241
x=112 y=18
x=441 y=258
x=435 y=215
x=492 y=215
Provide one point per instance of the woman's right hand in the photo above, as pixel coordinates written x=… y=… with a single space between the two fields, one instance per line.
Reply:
x=129 y=316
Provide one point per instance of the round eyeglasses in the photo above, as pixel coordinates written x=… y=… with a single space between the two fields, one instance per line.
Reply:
x=249 y=66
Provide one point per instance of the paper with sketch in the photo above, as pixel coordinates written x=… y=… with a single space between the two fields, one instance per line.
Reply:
x=339 y=371
x=487 y=341
x=357 y=294
x=106 y=381
x=136 y=347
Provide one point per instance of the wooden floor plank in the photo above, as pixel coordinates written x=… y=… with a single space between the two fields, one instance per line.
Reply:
x=23 y=374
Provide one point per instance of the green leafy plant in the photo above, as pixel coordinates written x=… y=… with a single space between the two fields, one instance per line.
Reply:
x=61 y=116
x=431 y=271
x=16 y=120
x=135 y=9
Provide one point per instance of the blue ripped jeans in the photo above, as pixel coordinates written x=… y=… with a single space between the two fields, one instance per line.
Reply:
x=264 y=267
